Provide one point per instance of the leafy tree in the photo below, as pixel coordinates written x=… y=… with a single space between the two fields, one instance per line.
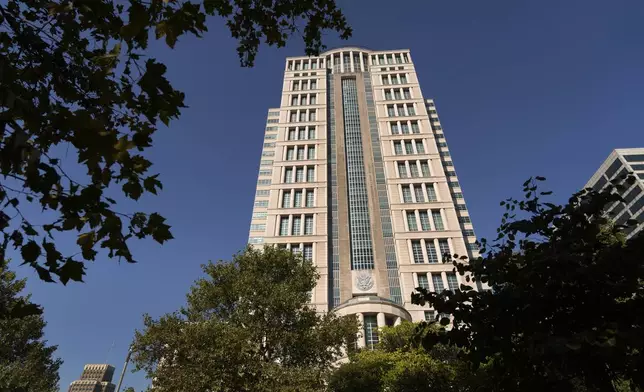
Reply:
x=75 y=80
x=400 y=364
x=27 y=363
x=565 y=309
x=246 y=327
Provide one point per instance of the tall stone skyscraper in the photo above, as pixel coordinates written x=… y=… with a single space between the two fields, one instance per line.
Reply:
x=356 y=174
x=95 y=378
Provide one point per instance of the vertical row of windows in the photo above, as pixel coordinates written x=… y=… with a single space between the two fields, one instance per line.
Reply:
x=403 y=127
x=395 y=58
x=437 y=281
x=397 y=94
x=394 y=79
x=305 y=85
x=409 y=147
x=301 y=133
x=300 y=153
x=296 y=174
x=401 y=110
x=296 y=198
x=418 y=193
x=429 y=220
x=413 y=169
x=296 y=65
x=295 y=225
x=303 y=115
x=425 y=251
x=303 y=99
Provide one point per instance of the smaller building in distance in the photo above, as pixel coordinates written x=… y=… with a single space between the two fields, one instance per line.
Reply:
x=95 y=378
x=621 y=162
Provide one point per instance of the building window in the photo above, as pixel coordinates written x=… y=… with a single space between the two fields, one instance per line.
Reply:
x=403 y=79
x=291 y=134
x=290 y=152
x=311 y=152
x=258 y=227
x=417 y=252
x=296 y=85
x=461 y=207
x=273 y=121
x=411 y=221
x=265 y=172
x=420 y=148
x=431 y=251
x=310 y=174
x=397 y=94
x=452 y=281
x=371 y=330
x=385 y=80
x=388 y=95
x=402 y=170
x=308 y=224
x=270 y=136
x=464 y=219
x=286 y=199
x=424 y=221
x=293 y=116
x=288 y=175
x=299 y=174
x=407 y=93
x=270 y=144
x=303 y=116
x=391 y=112
x=301 y=134
x=251 y=240
x=262 y=192
x=309 y=198
x=405 y=128
x=261 y=203
x=414 y=169
x=298 y=199
x=266 y=162
x=311 y=133
x=284 y=225
x=418 y=192
x=297 y=225
x=409 y=147
x=398 y=148
x=294 y=100
x=438 y=283
x=303 y=100
x=308 y=252
x=406 y=191
x=259 y=215
x=263 y=182
x=438 y=220
x=423 y=282
x=430 y=316
x=458 y=195
x=268 y=154
x=424 y=168
x=313 y=84
x=312 y=115
x=313 y=99
x=431 y=192
x=468 y=232
x=410 y=110
x=300 y=153
x=394 y=128
x=446 y=253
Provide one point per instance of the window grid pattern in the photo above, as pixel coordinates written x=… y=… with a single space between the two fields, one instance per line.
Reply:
x=383 y=199
x=308 y=225
x=423 y=282
x=334 y=249
x=417 y=252
x=438 y=283
x=438 y=220
x=452 y=281
x=371 y=330
x=359 y=224
x=431 y=251
x=444 y=248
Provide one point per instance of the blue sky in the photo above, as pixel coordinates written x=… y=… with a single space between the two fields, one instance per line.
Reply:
x=522 y=88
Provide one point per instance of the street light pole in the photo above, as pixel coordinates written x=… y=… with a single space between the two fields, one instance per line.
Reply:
x=127 y=360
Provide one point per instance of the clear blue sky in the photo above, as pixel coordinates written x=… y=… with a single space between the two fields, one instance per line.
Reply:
x=522 y=88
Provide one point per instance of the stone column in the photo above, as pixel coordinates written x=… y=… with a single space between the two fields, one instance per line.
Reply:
x=398 y=321
x=361 y=337
x=381 y=320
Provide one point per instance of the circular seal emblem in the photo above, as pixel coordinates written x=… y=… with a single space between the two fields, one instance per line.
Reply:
x=364 y=281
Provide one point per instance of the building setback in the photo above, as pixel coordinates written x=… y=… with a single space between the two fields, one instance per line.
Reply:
x=356 y=174
x=95 y=378
x=619 y=163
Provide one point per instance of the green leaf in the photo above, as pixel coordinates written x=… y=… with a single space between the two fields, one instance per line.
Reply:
x=72 y=270
x=30 y=252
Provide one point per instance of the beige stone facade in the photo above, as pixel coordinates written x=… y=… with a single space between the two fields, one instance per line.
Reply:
x=356 y=174
x=95 y=378
x=619 y=163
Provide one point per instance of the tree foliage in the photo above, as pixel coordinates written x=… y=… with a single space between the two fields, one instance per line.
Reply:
x=565 y=309
x=27 y=363
x=399 y=363
x=246 y=327
x=75 y=80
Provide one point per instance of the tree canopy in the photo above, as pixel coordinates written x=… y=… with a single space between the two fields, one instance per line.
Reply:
x=78 y=90
x=246 y=327
x=27 y=363
x=565 y=309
